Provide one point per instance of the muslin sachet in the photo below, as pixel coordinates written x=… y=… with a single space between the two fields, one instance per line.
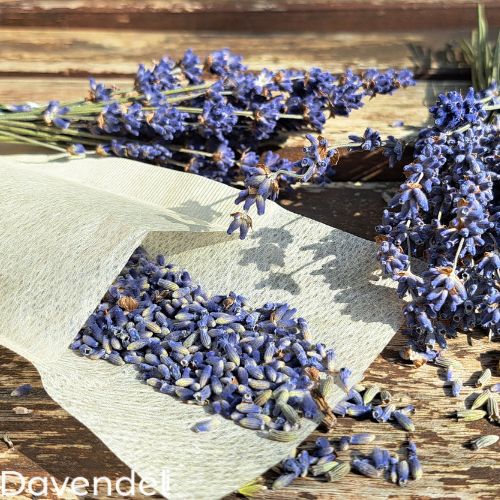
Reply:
x=69 y=227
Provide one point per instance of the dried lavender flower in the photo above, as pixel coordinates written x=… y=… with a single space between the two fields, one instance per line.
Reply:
x=484 y=441
x=22 y=390
x=480 y=400
x=484 y=378
x=203 y=426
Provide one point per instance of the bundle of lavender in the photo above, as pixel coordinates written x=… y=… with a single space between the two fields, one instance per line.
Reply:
x=202 y=118
x=446 y=213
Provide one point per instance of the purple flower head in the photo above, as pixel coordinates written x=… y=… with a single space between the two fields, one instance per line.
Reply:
x=266 y=117
x=452 y=110
x=241 y=222
x=98 y=92
x=376 y=82
x=167 y=121
x=76 y=149
x=393 y=150
x=110 y=119
x=217 y=119
x=369 y=141
x=54 y=115
x=264 y=83
x=313 y=112
x=319 y=82
x=151 y=83
x=318 y=157
x=133 y=118
x=190 y=66
x=411 y=198
x=283 y=80
x=224 y=63
x=260 y=183
x=224 y=157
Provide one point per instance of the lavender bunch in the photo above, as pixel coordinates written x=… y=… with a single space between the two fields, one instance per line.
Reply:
x=446 y=214
x=203 y=118
x=256 y=366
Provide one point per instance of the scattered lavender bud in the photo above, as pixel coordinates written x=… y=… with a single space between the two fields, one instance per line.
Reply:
x=365 y=468
x=492 y=409
x=380 y=458
x=344 y=443
x=370 y=394
x=393 y=469
x=470 y=415
x=480 y=400
x=385 y=397
x=322 y=469
x=362 y=438
x=404 y=421
x=282 y=436
x=252 y=489
x=344 y=376
x=283 y=481
x=415 y=466
x=484 y=441
x=403 y=472
x=339 y=471
x=381 y=414
x=203 y=426
x=456 y=387
x=484 y=378
x=22 y=390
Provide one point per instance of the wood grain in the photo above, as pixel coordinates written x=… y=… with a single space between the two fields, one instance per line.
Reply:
x=117 y=52
x=247 y=16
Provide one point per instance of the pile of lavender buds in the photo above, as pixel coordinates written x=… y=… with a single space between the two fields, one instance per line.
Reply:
x=446 y=213
x=322 y=461
x=199 y=117
x=257 y=367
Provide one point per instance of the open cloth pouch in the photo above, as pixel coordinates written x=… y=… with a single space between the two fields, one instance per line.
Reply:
x=69 y=227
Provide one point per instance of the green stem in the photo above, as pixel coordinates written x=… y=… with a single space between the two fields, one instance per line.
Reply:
x=91 y=106
x=22 y=139
x=68 y=131
x=22 y=132
x=92 y=110
x=190 y=151
x=248 y=114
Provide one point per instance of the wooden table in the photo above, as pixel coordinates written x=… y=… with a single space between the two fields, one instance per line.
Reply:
x=47 y=47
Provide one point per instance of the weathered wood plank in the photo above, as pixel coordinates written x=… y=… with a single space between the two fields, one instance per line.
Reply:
x=278 y=15
x=117 y=52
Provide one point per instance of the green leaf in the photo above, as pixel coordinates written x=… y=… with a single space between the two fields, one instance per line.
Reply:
x=482 y=56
